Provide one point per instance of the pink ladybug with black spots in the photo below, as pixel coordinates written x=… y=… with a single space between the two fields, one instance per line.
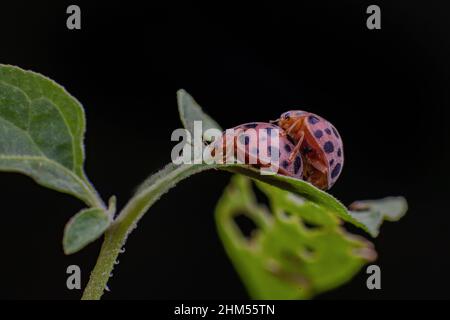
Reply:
x=250 y=145
x=319 y=143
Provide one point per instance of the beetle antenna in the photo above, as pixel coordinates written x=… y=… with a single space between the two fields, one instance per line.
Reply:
x=274 y=121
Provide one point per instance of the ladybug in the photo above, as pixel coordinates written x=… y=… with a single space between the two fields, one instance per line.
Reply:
x=247 y=142
x=319 y=143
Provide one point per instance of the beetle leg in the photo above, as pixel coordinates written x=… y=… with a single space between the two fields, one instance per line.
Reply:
x=296 y=149
x=288 y=131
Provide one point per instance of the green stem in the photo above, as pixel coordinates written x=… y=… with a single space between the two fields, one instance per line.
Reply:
x=105 y=263
x=126 y=221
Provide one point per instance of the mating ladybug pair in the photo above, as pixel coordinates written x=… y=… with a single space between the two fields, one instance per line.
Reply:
x=309 y=147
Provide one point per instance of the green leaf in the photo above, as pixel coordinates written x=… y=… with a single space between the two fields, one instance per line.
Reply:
x=372 y=213
x=41 y=133
x=285 y=258
x=83 y=228
x=190 y=111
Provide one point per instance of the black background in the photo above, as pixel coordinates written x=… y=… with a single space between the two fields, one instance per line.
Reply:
x=387 y=91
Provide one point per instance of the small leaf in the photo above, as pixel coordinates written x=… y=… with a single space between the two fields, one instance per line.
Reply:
x=190 y=111
x=372 y=213
x=83 y=228
x=41 y=133
x=297 y=251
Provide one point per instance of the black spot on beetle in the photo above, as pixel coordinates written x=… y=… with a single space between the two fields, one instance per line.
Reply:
x=331 y=162
x=251 y=125
x=336 y=171
x=287 y=148
x=306 y=149
x=318 y=134
x=297 y=164
x=328 y=131
x=335 y=133
x=285 y=164
x=339 y=152
x=313 y=119
x=328 y=147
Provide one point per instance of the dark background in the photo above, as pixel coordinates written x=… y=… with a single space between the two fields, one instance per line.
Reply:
x=387 y=91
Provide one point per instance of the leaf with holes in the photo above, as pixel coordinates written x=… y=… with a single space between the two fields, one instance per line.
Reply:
x=297 y=251
x=41 y=133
